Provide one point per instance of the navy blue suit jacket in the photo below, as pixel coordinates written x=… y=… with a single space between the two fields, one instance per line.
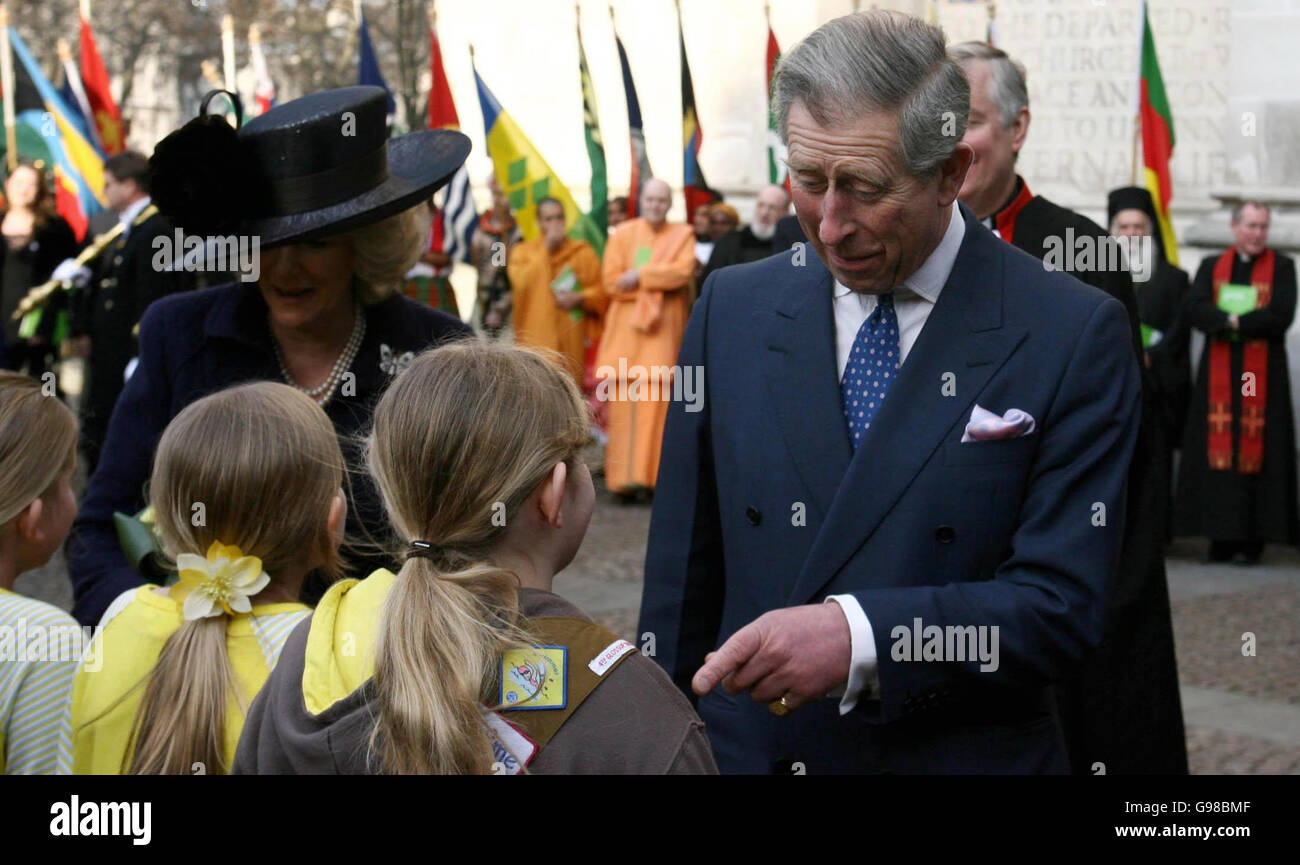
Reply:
x=915 y=524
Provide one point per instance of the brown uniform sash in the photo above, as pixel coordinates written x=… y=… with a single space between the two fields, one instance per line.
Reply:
x=585 y=641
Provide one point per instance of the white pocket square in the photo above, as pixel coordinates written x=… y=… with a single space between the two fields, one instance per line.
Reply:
x=986 y=426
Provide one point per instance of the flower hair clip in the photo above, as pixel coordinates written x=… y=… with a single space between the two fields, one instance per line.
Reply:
x=221 y=583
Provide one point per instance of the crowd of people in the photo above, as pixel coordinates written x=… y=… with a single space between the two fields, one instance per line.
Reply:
x=358 y=507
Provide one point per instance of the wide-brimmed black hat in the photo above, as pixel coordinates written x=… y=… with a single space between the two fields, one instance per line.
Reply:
x=312 y=167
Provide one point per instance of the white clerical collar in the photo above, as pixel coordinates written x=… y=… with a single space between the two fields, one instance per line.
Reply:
x=928 y=280
x=132 y=211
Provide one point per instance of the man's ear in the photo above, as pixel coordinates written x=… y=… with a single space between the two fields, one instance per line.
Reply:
x=952 y=172
x=550 y=502
x=29 y=521
x=1019 y=130
x=338 y=517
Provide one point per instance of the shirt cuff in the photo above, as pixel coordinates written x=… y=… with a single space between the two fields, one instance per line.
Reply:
x=863 y=680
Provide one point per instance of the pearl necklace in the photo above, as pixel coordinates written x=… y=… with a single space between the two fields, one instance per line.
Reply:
x=323 y=392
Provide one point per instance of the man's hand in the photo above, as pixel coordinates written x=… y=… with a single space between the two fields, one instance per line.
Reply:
x=800 y=653
x=629 y=280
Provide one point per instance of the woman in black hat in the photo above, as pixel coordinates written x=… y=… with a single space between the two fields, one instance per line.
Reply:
x=330 y=208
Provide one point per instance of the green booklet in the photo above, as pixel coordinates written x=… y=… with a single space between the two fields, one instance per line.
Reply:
x=566 y=283
x=642 y=257
x=1236 y=299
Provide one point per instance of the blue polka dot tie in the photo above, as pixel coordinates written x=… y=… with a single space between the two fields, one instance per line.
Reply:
x=872 y=365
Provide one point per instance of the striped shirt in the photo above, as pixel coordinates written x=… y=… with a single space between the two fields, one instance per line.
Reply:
x=40 y=647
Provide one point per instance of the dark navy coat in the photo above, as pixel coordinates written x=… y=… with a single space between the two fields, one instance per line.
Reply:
x=191 y=345
x=762 y=504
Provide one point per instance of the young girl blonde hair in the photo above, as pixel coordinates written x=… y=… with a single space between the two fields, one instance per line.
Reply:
x=465 y=434
x=38 y=442
x=263 y=460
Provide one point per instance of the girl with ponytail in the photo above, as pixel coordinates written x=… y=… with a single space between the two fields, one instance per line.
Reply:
x=247 y=500
x=465 y=661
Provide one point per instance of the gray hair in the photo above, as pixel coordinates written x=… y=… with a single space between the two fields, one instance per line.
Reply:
x=879 y=61
x=1007 y=87
x=1240 y=206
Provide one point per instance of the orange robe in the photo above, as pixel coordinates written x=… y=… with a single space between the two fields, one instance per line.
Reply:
x=643 y=329
x=538 y=320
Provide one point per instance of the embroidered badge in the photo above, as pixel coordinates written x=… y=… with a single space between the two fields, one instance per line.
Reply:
x=391 y=363
x=535 y=678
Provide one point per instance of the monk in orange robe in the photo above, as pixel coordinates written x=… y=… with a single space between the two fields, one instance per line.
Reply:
x=556 y=285
x=648 y=267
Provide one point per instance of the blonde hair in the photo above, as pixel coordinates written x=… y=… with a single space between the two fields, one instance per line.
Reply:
x=38 y=443
x=264 y=462
x=384 y=251
x=468 y=428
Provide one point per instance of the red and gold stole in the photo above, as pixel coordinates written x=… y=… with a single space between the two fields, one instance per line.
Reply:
x=1254 y=359
x=1005 y=219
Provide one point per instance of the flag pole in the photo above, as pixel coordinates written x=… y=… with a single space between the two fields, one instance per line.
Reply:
x=85 y=9
x=7 y=77
x=228 y=50
x=1137 y=91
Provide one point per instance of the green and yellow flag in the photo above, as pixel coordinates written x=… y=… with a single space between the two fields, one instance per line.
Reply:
x=525 y=176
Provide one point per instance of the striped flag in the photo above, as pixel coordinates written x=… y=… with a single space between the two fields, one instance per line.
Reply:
x=457 y=212
x=74 y=95
x=694 y=186
x=94 y=78
x=776 y=167
x=599 y=212
x=78 y=169
x=640 y=160
x=1157 y=137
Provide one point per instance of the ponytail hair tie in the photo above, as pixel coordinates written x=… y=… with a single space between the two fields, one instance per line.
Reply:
x=422 y=550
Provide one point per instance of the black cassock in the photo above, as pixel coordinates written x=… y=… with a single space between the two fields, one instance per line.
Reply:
x=1227 y=505
x=1123 y=710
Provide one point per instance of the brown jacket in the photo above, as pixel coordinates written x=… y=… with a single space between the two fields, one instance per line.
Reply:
x=634 y=722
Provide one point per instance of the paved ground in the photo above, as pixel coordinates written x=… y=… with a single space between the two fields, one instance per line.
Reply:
x=1242 y=711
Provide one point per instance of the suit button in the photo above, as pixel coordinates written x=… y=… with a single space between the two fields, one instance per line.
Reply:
x=945 y=534
x=108 y=304
x=117 y=259
x=753 y=515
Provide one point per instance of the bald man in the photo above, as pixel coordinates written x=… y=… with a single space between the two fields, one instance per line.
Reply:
x=756 y=240
x=648 y=263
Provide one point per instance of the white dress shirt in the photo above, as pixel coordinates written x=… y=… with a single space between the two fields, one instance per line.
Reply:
x=913 y=302
x=127 y=216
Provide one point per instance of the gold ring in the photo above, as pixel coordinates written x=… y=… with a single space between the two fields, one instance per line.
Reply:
x=780 y=707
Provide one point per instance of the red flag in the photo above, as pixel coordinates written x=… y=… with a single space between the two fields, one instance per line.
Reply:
x=442 y=110
x=95 y=80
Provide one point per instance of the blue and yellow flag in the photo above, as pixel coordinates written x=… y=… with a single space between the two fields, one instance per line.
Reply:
x=525 y=176
x=78 y=169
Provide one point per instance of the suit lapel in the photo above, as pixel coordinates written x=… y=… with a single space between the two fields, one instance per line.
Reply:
x=800 y=370
x=963 y=336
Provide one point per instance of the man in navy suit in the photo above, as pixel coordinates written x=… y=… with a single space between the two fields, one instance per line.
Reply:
x=895 y=519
